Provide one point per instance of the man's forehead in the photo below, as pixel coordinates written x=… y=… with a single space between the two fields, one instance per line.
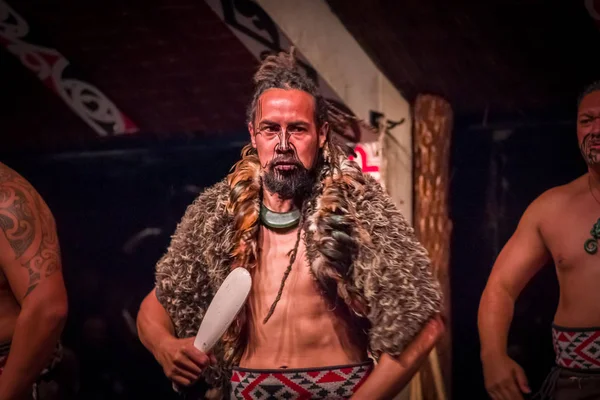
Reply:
x=590 y=103
x=285 y=100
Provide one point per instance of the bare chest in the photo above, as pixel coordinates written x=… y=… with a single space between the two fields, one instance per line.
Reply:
x=280 y=277
x=569 y=234
x=303 y=329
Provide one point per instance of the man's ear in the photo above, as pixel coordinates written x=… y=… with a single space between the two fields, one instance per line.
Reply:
x=252 y=135
x=323 y=132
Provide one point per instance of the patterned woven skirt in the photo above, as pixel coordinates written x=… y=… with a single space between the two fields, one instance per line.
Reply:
x=338 y=382
x=45 y=374
x=577 y=349
x=577 y=371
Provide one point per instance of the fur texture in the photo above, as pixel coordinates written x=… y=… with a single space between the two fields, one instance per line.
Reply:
x=358 y=245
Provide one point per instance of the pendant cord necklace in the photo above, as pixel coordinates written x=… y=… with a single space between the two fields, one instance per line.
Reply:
x=591 y=245
x=591 y=191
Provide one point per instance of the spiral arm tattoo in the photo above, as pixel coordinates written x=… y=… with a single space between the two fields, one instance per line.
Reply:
x=29 y=227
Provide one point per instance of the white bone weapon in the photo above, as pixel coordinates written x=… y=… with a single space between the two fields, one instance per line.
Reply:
x=223 y=308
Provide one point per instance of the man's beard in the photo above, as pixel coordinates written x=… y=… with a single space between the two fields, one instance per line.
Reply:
x=294 y=183
x=590 y=154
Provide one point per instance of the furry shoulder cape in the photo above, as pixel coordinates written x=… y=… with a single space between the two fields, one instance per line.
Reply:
x=387 y=279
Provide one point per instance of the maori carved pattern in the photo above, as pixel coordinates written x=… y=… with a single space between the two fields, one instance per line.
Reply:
x=49 y=65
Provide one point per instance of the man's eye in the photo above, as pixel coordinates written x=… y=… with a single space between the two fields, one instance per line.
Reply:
x=270 y=129
x=585 y=121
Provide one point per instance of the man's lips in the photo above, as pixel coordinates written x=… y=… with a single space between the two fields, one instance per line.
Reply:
x=285 y=163
x=285 y=166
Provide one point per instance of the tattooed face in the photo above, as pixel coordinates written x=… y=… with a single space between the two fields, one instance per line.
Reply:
x=588 y=128
x=287 y=139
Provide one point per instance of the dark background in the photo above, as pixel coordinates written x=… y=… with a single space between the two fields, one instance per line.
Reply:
x=101 y=199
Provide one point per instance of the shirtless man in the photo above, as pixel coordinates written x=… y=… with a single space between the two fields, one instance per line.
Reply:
x=338 y=275
x=562 y=225
x=33 y=301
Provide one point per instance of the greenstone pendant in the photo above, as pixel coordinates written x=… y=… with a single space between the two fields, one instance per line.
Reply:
x=275 y=220
x=591 y=245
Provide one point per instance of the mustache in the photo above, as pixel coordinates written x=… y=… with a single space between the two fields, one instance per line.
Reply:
x=594 y=142
x=286 y=161
x=591 y=139
x=589 y=148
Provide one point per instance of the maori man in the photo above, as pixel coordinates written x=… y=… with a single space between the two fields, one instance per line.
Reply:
x=562 y=225
x=339 y=279
x=33 y=300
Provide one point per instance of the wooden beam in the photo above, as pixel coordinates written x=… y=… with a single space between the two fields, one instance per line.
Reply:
x=433 y=120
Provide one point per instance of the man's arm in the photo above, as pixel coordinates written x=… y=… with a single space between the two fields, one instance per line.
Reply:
x=181 y=361
x=153 y=323
x=392 y=374
x=168 y=318
x=521 y=258
x=30 y=259
x=404 y=298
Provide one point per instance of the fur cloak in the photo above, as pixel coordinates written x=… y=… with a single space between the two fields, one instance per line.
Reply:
x=358 y=245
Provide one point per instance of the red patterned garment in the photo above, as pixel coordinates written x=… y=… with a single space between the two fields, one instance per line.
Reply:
x=577 y=349
x=339 y=382
x=44 y=376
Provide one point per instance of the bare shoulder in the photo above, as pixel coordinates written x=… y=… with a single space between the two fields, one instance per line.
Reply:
x=21 y=199
x=554 y=199
x=29 y=231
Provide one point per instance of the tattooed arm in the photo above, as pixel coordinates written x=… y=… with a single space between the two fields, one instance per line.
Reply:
x=30 y=259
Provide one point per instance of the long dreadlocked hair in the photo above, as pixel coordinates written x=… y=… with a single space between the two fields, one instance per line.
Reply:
x=282 y=71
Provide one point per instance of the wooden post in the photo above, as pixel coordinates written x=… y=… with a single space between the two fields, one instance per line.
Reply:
x=433 y=121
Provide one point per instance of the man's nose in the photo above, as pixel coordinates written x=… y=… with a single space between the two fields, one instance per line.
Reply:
x=284 y=141
x=595 y=127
